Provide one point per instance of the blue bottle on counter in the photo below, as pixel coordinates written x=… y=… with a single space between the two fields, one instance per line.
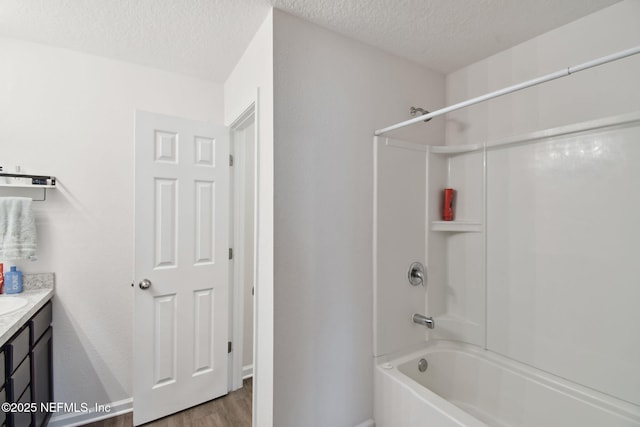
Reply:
x=13 y=281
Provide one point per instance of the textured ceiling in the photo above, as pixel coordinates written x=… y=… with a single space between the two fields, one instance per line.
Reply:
x=205 y=38
x=202 y=38
x=443 y=35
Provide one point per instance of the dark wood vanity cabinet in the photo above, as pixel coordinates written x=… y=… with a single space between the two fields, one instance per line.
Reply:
x=3 y=394
x=41 y=353
x=27 y=374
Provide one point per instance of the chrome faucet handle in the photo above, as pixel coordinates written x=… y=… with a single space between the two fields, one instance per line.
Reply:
x=416 y=274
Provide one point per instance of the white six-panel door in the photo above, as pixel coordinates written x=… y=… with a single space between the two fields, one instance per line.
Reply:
x=181 y=249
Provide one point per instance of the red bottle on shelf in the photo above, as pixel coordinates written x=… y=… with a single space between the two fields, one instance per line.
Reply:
x=448 y=196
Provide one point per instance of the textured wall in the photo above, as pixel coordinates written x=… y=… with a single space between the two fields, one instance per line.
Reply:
x=331 y=94
x=72 y=115
x=399 y=239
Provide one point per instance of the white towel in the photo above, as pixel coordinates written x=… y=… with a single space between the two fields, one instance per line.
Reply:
x=17 y=228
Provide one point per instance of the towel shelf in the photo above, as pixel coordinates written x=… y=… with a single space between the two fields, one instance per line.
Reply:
x=39 y=182
x=36 y=180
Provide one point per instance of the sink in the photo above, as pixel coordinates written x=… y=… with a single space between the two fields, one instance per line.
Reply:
x=11 y=304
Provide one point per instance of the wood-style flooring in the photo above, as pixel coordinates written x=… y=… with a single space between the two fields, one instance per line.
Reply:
x=232 y=410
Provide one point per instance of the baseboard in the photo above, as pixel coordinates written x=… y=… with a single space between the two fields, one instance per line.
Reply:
x=80 y=418
x=368 y=423
x=247 y=372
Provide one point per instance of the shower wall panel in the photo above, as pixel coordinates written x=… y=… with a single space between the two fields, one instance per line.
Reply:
x=563 y=228
x=457 y=300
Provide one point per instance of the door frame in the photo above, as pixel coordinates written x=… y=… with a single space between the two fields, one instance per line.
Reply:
x=237 y=214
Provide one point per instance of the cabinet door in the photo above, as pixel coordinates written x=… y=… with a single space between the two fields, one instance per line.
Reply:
x=16 y=349
x=42 y=381
x=23 y=418
x=40 y=322
x=19 y=380
x=3 y=398
x=2 y=377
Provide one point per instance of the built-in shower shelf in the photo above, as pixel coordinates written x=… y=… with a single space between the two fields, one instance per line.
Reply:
x=457 y=226
x=455 y=149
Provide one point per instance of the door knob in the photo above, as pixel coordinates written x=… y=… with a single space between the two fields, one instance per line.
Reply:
x=145 y=284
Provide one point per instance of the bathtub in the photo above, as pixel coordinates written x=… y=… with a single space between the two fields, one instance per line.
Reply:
x=464 y=385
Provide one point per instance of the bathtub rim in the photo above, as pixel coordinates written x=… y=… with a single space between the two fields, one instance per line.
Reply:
x=435 y=401
x=391 y=365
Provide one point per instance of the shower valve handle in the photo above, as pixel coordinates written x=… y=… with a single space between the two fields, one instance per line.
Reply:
x=416 y=274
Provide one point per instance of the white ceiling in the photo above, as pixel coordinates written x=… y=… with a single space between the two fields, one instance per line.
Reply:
x=205 y=38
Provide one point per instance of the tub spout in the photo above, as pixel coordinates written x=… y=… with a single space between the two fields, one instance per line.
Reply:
x=423 y=320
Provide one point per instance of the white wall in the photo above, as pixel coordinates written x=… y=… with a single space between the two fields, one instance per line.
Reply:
x=331 y=94
x=253 y=74
x=71 y=115
x=400 y=187
x=553 y=260
x=598 y=92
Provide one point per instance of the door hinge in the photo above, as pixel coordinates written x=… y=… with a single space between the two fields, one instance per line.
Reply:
x=230 y=160
x=230 y=253
x=229 y=347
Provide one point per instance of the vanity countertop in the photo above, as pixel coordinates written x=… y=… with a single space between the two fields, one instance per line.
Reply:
x=38 y=289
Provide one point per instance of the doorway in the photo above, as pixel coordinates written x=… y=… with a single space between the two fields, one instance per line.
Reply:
x=243 y=241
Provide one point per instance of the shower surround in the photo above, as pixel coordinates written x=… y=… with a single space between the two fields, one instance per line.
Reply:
x=531 y=287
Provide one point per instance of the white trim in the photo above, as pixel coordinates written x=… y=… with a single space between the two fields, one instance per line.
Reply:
x=256 y=255
x=374 y=249
x=367 y=423
x=120 y=407
x=235 y=270
x=244 y=117
x=247 y=372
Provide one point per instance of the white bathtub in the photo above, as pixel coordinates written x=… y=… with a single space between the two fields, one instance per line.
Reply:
x=467 y=386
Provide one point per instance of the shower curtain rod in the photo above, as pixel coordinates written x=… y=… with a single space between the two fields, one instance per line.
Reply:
x=552 y=76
